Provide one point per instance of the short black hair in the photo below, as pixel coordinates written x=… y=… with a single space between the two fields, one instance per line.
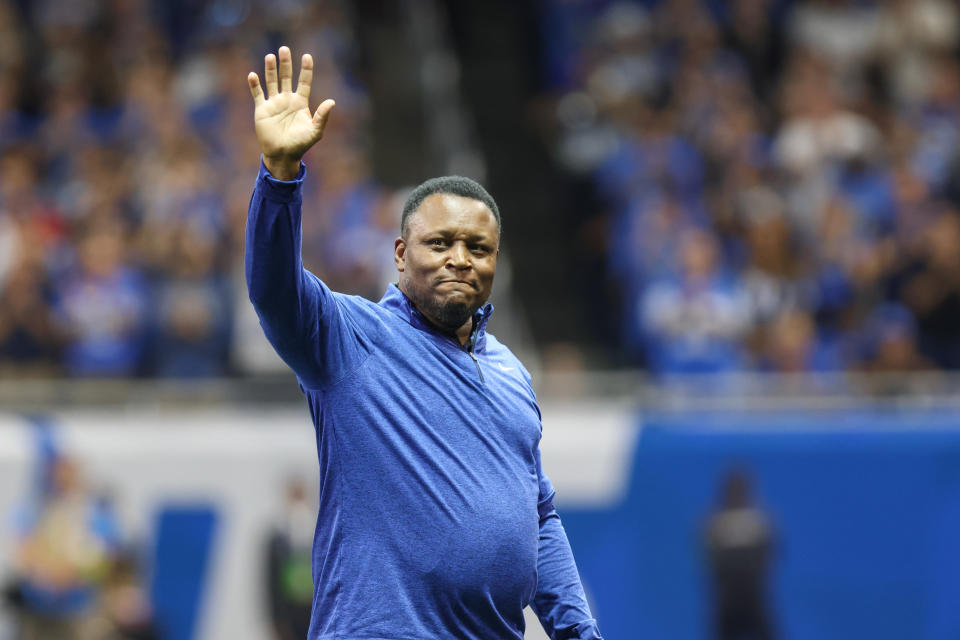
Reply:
x=454 y=185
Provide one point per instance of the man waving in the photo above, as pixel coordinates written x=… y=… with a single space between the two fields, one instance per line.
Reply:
x=436 y=519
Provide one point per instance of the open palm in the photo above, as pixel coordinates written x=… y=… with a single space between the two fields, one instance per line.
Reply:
x=283 y=122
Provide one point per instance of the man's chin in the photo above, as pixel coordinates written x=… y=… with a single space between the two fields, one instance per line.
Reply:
x=452 y=314
x=448 y=311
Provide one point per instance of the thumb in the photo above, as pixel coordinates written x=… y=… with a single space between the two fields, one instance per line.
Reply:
x=321 y=115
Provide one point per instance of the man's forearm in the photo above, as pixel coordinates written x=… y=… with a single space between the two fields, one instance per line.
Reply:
x=560 y=602
x=272 y=252
x=286 y=297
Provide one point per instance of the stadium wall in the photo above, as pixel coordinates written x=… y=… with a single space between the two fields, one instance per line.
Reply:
x=866 y=505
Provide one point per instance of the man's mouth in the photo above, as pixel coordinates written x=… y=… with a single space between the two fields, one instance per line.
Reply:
x=453 y=281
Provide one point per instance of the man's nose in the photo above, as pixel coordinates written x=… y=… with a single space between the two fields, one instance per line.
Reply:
x=458 y=257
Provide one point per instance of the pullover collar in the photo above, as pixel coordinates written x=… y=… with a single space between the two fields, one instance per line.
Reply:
x=395 y=301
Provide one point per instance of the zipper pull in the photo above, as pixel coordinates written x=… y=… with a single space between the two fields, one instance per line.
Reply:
x=476 y=362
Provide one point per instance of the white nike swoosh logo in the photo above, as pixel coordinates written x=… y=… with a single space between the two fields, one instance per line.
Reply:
x=503 y=368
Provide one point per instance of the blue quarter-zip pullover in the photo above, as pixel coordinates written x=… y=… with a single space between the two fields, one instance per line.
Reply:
x=436 y=520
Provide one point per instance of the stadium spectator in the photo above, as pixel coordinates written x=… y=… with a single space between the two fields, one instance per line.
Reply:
x=791 y=345
x=694 y=321
x=289 y=578
x=192 y=301
x=65 y=539
x=29 y=339
x=126 y=603
x=102 y=306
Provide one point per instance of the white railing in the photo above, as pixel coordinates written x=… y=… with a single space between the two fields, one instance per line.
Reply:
x=741 y=391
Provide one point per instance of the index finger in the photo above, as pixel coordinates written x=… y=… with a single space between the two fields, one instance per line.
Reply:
x=306 y=76
x=253 y=80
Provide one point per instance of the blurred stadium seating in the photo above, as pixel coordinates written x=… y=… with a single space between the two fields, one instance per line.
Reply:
x=755 y=185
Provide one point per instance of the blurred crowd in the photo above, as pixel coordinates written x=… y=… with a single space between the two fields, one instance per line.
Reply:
x=779 y=181
x=127 y=159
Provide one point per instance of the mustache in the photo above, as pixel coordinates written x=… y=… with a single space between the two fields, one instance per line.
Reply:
x=471 y=283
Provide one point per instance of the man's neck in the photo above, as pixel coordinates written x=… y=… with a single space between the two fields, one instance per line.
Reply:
x=461 y=335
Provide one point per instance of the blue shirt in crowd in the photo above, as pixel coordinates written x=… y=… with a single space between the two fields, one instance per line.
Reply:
x=436 y=520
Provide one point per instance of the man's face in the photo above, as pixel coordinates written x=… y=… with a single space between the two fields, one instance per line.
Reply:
x=448 y=258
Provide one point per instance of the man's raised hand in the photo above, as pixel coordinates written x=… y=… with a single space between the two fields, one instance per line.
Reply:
x=285 y=128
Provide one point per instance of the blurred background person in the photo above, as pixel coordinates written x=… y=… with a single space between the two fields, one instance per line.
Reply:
x=65 y=541
x=740 y=547
x=289 y=577
x=126 y=603
x=103 y=307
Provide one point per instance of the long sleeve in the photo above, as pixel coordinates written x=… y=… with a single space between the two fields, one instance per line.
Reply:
x=560 y=602
x=299 y=314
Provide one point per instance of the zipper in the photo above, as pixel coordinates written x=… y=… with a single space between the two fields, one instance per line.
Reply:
x=474 y=356
x=477 y=362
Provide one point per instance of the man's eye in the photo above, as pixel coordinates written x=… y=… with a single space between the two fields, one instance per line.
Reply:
x=479 y=251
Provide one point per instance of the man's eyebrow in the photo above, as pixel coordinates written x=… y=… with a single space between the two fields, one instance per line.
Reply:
x=449 y=233
x=479 y=237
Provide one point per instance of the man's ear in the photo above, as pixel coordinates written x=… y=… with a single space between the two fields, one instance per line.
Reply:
x=400 y=253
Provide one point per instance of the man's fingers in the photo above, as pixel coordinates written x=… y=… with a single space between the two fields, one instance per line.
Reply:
x=254 y=81
x=306 y=76
x=270 y=74
x=286 y=69
x=322 y=113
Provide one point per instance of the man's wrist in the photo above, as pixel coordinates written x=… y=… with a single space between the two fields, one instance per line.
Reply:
x=282 y=168
x=277 y=189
